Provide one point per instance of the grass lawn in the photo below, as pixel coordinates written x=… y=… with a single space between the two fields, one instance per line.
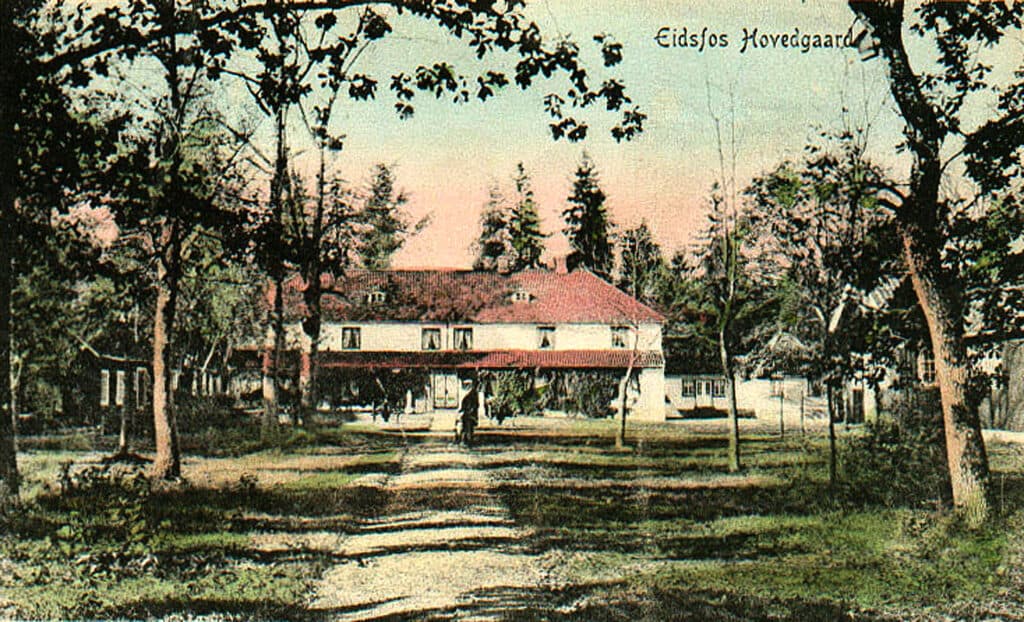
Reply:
x=658 y=531
x=666 y=520
x=249 y=535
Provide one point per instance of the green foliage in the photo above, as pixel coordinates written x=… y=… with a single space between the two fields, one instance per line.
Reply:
x=513 y=394
x=510 y=238
x=833 y=252
x=198 y=412
x=219 y=304
x=494 y=246
x=589 y=393
x=586 y=221
x=108 y=527
x=524 y=224
x=642 y=268
x=384 y=225
x=720 y=297
x=899 y=462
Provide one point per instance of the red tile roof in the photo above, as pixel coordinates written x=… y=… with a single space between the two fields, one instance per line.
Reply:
x=496 y=359
x=472 y=296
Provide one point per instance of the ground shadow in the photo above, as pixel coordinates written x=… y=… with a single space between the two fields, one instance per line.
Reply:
x=612 y=602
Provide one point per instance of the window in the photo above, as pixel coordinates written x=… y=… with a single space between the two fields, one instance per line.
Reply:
x=351 y=338
x=120 y=387
x=718 y=388
x=926 y=369
x=706 y=387
x=520 y=295
x=545 y=337
x=775 y=387
x=376 y=297
x=104 y=388
x=141 y=386
x=620 y=336
x=431 y=338
x=689 y=388
x=463 y=338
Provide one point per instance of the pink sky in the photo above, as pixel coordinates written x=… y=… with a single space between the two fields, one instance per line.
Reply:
x=447 y=156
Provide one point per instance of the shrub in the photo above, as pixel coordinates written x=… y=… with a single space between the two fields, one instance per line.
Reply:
x=195 y=413
x=588 y=393
x=513 y=394
x=108 y=528
x=900 y=461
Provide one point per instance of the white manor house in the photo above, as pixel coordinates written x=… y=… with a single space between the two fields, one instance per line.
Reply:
x=429 y=330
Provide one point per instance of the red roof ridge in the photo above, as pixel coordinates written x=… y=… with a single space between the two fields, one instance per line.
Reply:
x=481 y=296
x=646 y=308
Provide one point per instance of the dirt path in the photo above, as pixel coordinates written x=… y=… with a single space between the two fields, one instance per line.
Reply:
x=444 y=547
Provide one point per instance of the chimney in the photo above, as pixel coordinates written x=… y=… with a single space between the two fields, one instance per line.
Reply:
x=504 y=265
x=562 y=264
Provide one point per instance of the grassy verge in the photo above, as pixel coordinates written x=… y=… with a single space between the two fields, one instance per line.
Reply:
x=661 y=531
x=773 y=537
x=101 y=542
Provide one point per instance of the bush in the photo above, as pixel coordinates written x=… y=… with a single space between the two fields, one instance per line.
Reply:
x=108 y=527
x=195 y=413
x=588 y=393
x=513 y=394
x=900 y=462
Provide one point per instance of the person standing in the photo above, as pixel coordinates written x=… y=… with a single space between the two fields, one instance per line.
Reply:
x=469 y=415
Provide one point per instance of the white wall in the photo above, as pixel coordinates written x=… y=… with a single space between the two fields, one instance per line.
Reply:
x=756 y=395
x=646 y=405
x=650 y=404
x=407 y=337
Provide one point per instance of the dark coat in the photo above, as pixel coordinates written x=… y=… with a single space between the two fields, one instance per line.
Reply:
x=469 y=408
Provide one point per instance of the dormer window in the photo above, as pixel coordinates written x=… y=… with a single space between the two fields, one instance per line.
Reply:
x=376 y=297
x=520 y=295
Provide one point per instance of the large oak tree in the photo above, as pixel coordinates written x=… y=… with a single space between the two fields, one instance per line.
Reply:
x=939 y=93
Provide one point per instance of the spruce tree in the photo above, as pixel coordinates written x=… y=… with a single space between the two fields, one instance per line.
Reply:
x=586 y=220
x=642 y=264
x=385 y=223
x=494 y=247
x=527 y=239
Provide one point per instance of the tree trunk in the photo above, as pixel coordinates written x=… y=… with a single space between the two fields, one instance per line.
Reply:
x=620 y=433
x=782 y=410
x=734 y=421
x=16 y=389
x=269 y=418
x=167 y=464
x=9 y=481
x=803 y=430
x=308 y=377
x=122 y=437
x=272 y=362
x=965 y=448
x=312 y=294
x=919 y=218
x=271 y=379
x=830 y=407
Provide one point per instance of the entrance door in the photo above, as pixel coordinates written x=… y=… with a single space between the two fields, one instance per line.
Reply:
x=446 y=390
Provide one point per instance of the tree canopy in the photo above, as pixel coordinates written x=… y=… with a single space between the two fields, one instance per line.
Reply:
x=587 y=225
